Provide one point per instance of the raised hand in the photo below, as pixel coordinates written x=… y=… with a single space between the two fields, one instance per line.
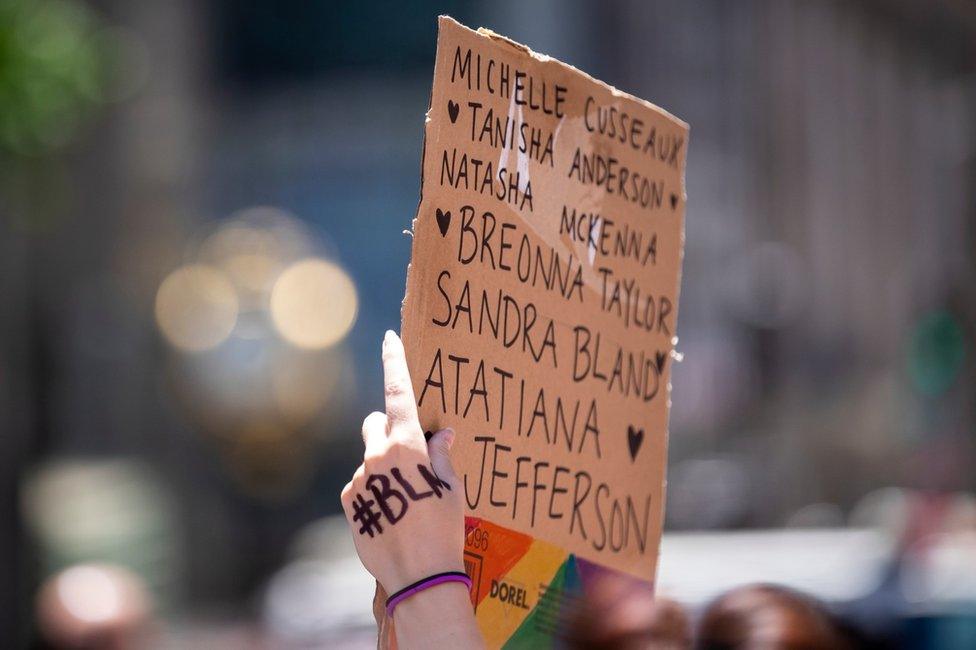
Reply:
x=406 y=515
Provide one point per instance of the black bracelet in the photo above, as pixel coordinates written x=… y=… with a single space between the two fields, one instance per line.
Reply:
x=426 y=583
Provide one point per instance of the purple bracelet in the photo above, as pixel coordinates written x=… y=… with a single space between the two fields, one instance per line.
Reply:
x=426 y=583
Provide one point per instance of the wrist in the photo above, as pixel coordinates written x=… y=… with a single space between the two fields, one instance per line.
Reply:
x=425 y=584
x=441 y=616
x=434 y=602
x=406 y=573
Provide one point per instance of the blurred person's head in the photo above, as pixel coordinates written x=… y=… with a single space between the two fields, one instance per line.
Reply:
x=617 y=612
x=93 y=606
x=767 y=617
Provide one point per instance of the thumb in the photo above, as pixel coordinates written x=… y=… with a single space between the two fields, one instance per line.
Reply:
x=439 y=449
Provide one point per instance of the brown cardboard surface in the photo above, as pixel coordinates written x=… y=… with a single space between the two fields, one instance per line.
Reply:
x=541 y=303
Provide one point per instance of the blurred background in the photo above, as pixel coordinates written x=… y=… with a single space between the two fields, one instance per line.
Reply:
x=202 y=207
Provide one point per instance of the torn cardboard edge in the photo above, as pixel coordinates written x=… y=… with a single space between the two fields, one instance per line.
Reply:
x=420 y=296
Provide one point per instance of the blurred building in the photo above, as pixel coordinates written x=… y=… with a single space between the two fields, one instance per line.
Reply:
x=826 y=314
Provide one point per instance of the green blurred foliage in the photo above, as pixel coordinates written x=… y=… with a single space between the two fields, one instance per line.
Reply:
x=52 y=72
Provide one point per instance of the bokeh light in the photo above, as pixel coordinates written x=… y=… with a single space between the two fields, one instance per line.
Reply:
x=314 y=304
x=105 y=515
x=256 y=316
x=196 y=307
x=94 y=605
x=322 y=589
x=252 y=248
x=89 y=593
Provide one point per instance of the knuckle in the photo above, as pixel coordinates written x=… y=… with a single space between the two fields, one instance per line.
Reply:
x=373 y=458
x=395 y=389
x=403 y=420
x=403 y=439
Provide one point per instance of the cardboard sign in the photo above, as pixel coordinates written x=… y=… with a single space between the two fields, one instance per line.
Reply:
x=539 y=318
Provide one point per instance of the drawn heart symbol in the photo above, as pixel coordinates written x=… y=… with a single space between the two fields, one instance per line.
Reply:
x=443 y=221
x=635 y=437
x=660 y=357
x=674 y=200
x=452 y=110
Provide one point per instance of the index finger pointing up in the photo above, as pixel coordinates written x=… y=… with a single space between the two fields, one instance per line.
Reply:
x=401 y=410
